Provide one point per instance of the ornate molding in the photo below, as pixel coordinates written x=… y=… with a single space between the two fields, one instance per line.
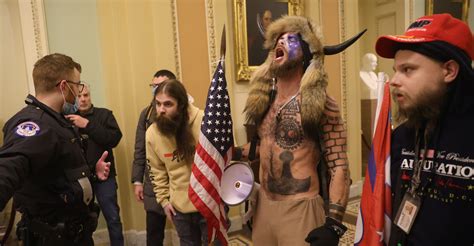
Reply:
x=342 y=33
x=34 y=34
x=177 y=54
x=37 y=29
x=211 y=37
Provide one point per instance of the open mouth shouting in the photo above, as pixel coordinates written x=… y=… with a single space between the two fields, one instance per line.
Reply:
x=279 y=53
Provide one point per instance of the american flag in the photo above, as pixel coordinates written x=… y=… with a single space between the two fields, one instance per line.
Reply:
x=213 y=153
x=374 y=220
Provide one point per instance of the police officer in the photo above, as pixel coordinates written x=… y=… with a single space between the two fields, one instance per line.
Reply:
x=42 y=162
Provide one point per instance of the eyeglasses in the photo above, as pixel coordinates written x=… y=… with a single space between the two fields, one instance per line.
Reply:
x=80 y=84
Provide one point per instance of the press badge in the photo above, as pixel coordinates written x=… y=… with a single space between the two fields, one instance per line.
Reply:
x=407 y=212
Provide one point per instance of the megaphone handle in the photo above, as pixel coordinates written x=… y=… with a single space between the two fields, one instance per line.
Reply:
x=253 y=147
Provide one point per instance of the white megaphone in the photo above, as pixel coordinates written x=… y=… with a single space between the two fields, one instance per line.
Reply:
x=236 y=183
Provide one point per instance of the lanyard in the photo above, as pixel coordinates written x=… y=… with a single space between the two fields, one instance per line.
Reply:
x=418 y=165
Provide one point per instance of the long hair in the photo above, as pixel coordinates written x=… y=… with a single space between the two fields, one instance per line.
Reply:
x=185 y=142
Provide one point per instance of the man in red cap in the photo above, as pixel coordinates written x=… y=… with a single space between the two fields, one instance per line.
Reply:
x=432 y=155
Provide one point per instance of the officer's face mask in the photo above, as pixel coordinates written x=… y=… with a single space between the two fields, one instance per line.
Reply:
x=69 y=108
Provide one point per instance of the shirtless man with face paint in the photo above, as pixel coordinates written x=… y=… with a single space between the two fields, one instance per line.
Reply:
x=295 y=119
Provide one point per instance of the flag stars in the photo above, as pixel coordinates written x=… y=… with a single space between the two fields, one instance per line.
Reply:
x=212 y=88
x=218 y=105
x=208 y=130
x=211 y=97
x=219 y=96
x=218 y=122
x=209 y=122
x=216 y=139
x=223 y=130
x=209 y=114
x=226 y=105
x=222 y=147
x=221 y=71
x=226 y=97
x=219 y=88
x=220 y=80
x=216 y=131
x=218 y=114
x=210 y=105
x=229 y=130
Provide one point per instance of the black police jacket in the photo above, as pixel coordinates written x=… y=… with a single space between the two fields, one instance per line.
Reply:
x=42 y=164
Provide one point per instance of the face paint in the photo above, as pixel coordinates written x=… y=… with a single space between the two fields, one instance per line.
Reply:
x=292 y=43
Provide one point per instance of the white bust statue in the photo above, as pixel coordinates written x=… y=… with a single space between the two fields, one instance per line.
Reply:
x=368 y=76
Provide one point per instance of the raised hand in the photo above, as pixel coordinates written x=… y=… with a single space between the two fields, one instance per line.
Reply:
x=102 y=168
x=77 y=120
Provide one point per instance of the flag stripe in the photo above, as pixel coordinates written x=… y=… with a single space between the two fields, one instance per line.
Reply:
x=374 y=219
x=213 y=152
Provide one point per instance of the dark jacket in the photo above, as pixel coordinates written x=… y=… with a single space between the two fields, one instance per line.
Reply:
x=140 y=172
x=103 y=133
x=41 y=162
x=446 y=215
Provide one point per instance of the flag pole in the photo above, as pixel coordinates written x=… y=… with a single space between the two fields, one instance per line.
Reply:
x=223 y=44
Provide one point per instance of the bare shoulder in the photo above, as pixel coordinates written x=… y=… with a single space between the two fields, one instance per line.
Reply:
x=331 y=108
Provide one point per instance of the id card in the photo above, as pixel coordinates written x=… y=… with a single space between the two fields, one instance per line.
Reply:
x=407 y=212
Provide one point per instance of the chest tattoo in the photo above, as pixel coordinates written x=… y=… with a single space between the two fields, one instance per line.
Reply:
x=288 y=132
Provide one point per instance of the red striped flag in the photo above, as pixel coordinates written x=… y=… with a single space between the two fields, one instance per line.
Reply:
x=213 y=153
x=374 y=220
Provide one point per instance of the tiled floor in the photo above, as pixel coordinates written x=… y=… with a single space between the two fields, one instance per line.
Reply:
x=243 y=237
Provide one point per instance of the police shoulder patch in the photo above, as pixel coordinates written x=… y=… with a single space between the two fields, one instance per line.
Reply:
x=27 y=129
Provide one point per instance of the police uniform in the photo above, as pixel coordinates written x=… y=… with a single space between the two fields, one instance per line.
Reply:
x=42 y=164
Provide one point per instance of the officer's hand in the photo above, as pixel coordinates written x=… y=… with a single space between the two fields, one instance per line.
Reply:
x=77 y=120
x=169 y=211
x=328 y=234
x=102 y=168
x=139 y=192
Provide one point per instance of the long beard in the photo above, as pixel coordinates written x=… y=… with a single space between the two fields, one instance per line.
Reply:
x=168 y=127
x=285 y=68
x=426 y=109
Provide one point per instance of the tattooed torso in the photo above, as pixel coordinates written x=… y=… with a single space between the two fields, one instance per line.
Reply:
x=287 y=157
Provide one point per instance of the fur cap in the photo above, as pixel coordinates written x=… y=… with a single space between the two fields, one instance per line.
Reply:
x=313 y=83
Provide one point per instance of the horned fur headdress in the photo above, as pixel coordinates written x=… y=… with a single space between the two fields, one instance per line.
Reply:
x=314 y=81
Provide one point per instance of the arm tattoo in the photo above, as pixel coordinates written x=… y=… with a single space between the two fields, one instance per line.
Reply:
x=334 y=135
x=336 y=211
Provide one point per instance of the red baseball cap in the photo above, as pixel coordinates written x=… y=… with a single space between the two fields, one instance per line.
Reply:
x=438 y=27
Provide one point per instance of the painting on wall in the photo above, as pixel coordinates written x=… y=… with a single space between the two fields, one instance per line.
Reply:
x=251 y=19
x=457 y=8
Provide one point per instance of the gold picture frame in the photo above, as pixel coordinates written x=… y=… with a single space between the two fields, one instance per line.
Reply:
x=457 y=8
x=244 y=13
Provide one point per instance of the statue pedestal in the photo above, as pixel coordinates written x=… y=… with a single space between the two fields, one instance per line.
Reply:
x=368 y=108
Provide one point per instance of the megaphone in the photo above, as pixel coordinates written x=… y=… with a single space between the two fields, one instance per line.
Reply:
x=236 y=183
